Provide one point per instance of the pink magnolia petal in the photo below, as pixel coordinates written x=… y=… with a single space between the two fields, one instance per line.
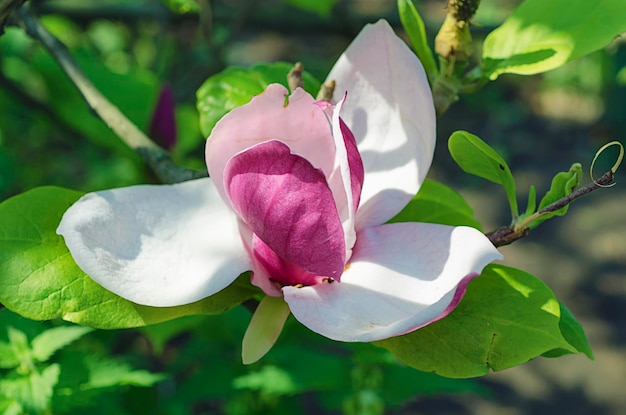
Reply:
x=286 y=202
x=392 y=116
x=280 y=269
x=346 y=179
x=298 y=122
x=402 y=276
x=260 y=277
x=156 y=245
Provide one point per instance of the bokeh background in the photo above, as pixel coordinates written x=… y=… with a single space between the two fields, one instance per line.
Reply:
x=540 y=124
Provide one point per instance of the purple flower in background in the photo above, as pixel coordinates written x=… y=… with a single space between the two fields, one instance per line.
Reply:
x=163 y=124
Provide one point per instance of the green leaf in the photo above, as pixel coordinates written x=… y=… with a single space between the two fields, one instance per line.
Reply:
x=437 y=203
x=563 y=184
x=542 y=35
x=506 y=318
x=40 y=280
x=322 y=7
x=104 y=373
x=21 y=349
x=532 y=201
x=269 y=379
x=475 y=157
x=10 y=406
x=34 y=390
x=415 y=29
x=51 y=340
x=235 y=86
x=8 y=358
x=573 y=333
x=182 y=6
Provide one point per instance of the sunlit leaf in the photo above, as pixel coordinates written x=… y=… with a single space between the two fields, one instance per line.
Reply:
x=415 y=29
x=40 y=281
x=506 y=318
x=106 y=372
x=10 y=406
x=51 y=340
x=573 y=333
x=437 y=203
x=235 y=86
x=269 y=379
x=542 y=35
x=33 y=390
x=8 y=359
x=475 y=157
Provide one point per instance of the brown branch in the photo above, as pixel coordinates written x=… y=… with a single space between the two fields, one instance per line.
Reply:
x=7 y=7
x=157 y=158
x=506 y=235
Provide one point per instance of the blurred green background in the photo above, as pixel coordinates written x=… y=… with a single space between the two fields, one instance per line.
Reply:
x=540 y=124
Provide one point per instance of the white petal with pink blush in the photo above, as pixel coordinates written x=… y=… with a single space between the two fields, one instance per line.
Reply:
x=300 y=193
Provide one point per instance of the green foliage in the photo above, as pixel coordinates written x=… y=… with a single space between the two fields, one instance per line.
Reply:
x=506 y=318
x=39 y=279
x=35 y=383
x=30 y=381
x=574 y=334
x=235 y=87
x=182 y=6
x=563 y=184
x=134 y=91
x=321 y=7
x=475 y=157
x=540 y=36
x=48 y=342
x=437 y=203
x=415 y=29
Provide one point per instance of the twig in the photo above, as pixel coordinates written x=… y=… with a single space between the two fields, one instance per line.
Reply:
x=7 y=7
x=506 y=235
x=157 y=158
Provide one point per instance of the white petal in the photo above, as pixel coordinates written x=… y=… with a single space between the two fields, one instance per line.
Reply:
x=401 y=277
x=391 y=113
x=156 y=245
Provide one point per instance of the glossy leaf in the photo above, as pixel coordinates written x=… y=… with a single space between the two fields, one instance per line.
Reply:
x=437 y=203
x=573 y=333
x=234 y=87
x=506 y=318
x=476 y=157
x=542 y=35
x=415 y=29
x=40 y=281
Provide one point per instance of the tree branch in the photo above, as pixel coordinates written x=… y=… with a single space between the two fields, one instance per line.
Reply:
x=7 y=7
x=509 y=234
x=157 y=158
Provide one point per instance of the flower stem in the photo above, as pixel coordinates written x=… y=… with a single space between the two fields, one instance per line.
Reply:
x=509 y=234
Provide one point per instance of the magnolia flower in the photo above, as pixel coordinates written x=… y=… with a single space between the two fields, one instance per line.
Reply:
x=299 y=193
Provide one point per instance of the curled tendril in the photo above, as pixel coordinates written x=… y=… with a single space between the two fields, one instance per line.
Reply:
x=620 y=157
